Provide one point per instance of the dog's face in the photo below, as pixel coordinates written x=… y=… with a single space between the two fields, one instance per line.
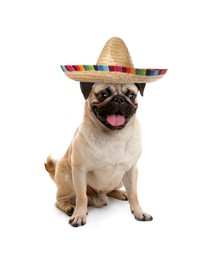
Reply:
x=113 y=105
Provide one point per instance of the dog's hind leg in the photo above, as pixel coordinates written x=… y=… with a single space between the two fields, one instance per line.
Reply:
x=64 y=202
x=118 y=194
x=65 y=191
x=96 y=198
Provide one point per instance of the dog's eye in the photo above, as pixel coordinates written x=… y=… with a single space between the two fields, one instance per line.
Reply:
x=131 y=96
x=103 y=95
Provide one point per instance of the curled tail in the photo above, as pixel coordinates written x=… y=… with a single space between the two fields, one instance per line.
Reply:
x=50 y=166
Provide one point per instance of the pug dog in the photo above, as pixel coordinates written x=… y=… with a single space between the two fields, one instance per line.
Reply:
x=103 y=154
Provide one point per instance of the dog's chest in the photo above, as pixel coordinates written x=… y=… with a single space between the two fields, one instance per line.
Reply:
x=108 y=157
x=110 y=160
x=117 y=154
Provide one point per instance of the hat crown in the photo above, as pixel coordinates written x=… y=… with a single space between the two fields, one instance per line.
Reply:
x=115 y=53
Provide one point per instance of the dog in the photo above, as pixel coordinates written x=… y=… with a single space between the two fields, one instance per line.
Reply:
x=103 y=154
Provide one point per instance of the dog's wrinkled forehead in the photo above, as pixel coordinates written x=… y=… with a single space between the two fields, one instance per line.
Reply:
x=115 y=88
x=87 y=88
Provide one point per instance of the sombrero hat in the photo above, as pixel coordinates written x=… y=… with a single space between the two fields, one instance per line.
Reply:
x=113 y=66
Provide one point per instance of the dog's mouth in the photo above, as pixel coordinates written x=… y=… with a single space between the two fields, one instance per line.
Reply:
x=115 y=121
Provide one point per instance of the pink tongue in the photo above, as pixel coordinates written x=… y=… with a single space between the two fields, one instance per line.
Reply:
x=116 y=120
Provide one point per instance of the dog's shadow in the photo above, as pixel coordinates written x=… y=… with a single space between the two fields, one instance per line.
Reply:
x=114 y=210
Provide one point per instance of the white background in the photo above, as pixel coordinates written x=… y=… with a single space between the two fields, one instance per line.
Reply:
x=40 y=109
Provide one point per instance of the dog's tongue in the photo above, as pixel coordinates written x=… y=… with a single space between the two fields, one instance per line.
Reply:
x=116 y=120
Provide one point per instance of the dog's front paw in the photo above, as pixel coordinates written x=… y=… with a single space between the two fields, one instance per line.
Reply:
x=78 y=218
x=142 y=216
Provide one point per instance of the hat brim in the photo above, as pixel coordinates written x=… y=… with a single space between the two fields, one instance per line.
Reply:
x=112 y=74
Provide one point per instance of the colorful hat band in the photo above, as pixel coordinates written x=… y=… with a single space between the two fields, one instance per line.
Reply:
x=106 y=68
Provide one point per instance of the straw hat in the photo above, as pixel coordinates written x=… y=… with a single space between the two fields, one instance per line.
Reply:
x=113 y=66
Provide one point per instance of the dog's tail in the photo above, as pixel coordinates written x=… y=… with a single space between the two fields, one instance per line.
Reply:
x=50 y=166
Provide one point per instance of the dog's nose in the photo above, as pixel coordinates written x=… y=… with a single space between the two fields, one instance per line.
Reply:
x=119 y=100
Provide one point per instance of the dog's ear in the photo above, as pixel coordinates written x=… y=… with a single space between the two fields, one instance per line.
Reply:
x=86 y=88
x=141 y=87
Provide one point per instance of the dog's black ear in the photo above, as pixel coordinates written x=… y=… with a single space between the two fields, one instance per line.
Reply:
x=86 y=88
x=141 y=87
